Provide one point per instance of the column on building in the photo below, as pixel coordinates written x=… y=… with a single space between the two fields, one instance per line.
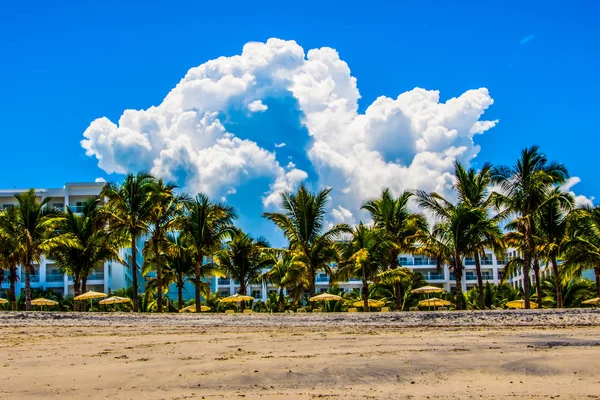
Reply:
x=264 y=293
x=106 y=277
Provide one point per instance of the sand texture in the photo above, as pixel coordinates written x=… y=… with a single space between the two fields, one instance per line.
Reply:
x=495 y=354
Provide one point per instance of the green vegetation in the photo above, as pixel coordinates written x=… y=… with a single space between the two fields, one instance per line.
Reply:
x=188 y=239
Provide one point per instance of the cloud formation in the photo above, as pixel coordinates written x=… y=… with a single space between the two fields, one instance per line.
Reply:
x=410 y=141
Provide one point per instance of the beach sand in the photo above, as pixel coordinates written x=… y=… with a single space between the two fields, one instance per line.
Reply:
x=494 y=354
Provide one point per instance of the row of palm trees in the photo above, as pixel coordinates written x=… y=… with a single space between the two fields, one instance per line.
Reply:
x=520 y=207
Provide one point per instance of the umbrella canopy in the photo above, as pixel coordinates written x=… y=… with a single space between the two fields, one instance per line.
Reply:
x=434 y=302
x=115 y=300
x=428 y=289
x=90 y=295
x=520 y=304
x=236 y=298
x=594 y=302
x=192 y=308
x=3 y=301
x=325 y=297
x=43 y=302
x=372 y=303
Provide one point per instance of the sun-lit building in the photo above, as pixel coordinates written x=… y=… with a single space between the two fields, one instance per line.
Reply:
x=46 y=274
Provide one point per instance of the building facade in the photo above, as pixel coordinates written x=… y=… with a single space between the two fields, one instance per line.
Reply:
x=46 y=275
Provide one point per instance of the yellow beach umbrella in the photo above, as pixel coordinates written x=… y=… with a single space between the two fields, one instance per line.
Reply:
x=43 y=302
x=593 y=302
x=325 y=297
x=3 y=301
x=434 y=302
x=90 y=295
x=428 y=289
x=115 y=300
x=192 y=308
x=372 y=303
x=520 y=304
x=236 y=298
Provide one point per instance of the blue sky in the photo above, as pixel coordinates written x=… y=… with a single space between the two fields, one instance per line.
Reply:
x=67 y=64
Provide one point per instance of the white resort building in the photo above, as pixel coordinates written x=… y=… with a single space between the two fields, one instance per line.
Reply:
x=47 y=275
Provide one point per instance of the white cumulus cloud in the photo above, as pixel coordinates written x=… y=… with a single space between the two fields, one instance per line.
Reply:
x=410 y=141
x=257 y=106
x=580 y=200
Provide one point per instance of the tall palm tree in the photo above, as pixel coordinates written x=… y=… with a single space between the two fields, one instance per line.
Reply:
x=472 y=188
x=33 y=229
x=524 y=188
x=303 y=224
x=393 y=216
x=164 y=213
x=93 y=244
x=9 y=260
x=366 y=255
x=179 y=263
x=129 y=208
x=551 y=227
x=582 y=248
x=452 y=237
x=243 y=258
x=204 y=227
x=286 y=272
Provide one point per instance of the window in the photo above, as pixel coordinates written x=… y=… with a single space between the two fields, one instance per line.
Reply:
x=256 y=294
x=59 y=205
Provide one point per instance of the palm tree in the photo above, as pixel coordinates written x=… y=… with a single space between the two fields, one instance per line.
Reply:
x=472 y=188
x=130 y=208
x=551 y=227
x=393 y=216
x=204 y=227
x=33 y=229
x=164 y=213
x=9 y=260
x=524 y=188
x=366 y=254
x=572 y=293
x=582 y=248
x=93 y=244
x=286 y=272
x=243 y=259
x=179 y=263
x=453 y=236
x=303 y=224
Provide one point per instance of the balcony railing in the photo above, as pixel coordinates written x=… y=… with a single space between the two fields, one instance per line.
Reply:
x=405 y=261
x=32 y=278
x=434 y=276
x=96 y=276
x=223 y=281
x=321 y=278
x=472 y=276
x=76 y=209
x=483 y=261
x=502 y=261
x=419 y=261
x=54 y=277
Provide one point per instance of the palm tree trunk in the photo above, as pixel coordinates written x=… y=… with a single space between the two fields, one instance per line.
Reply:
x=458 y=270
x=597 y=272
x=313 y=277
x=198 y=282
x=28 y=269
x=526 y=269
x=397 y=285
x=76 y=292
x=281 y=300
x=180 y=294
x=159 y=288
x=538 y=283
x=479 y=282
x=365 y=296
x=12 y=278
x=83 y=304
x=134 y=283
x=557 y=282
x=243 y=293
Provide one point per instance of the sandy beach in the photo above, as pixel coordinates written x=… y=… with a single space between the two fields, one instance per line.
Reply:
x=494 y=354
